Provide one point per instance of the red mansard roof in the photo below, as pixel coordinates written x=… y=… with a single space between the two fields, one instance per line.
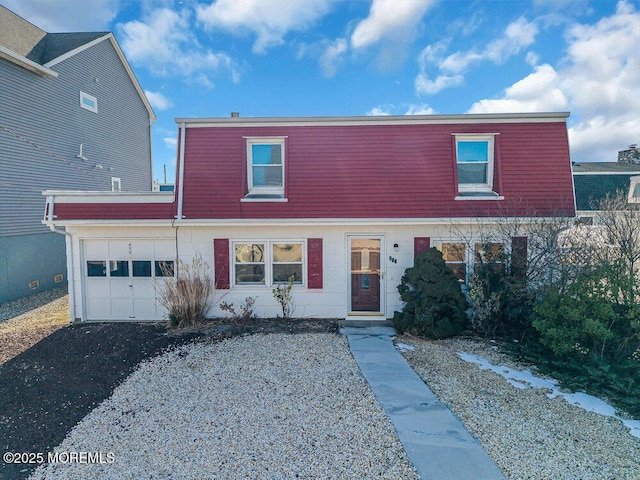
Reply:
x=364 y=167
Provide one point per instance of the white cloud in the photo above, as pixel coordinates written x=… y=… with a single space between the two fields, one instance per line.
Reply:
x=269 y=21
x=602 y=79
x=389 y=18
x=517 y=36
x=332 y=56
x=537 y=92
x=70 y=16
x=416 y=109
x=423 y=84
x=597 y=81
x=158 y=101
x=171 y=142
x=420 y=109
x=163 y=43
x=378 y=112
x=448 y=71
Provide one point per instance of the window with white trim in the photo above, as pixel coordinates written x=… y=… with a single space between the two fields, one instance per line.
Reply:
x=463 y=260
x=454 y=255
x=88 y=102
x=116 y=184
x=265 y=167
x=474 y=163
x=490 y=255
x=268 y=263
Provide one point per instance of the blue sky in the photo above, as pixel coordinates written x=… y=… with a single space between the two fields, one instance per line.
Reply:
x=204 y=58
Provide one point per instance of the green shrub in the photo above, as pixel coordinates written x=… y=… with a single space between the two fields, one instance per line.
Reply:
x=434 y=304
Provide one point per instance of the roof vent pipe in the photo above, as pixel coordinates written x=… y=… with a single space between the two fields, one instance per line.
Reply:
x=235 y=114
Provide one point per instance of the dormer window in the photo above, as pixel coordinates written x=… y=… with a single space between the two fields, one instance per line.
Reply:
x=474 y=163
x=265 y=167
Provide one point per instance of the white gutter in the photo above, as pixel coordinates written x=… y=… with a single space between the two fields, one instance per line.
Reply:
x=183 y=132
x=24 y=62
x=48 y=220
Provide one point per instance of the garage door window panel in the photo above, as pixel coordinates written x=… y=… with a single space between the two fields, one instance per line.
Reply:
x=164 y=268
x=119 y=268
x=96 y=268
x=141 y=268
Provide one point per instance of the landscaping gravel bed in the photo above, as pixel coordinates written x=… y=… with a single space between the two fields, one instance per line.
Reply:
x=273 y=399
x=258 y=406
x=529 y=435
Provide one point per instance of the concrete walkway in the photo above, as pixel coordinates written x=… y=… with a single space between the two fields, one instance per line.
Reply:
x=435 y=440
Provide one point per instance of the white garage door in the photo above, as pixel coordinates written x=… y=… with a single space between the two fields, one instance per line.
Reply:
x=120 y=278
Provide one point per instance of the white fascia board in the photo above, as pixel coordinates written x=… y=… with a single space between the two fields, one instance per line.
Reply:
x=351 y=221
x=302 y=222
x=77 y=196
x=24 y=62
x=376 y=120
x=124 y=61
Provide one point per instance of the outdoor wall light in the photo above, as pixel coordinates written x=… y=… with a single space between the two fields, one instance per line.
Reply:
x=396 y=247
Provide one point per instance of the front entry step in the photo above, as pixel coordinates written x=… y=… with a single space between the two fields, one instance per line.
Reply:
x=382 y=322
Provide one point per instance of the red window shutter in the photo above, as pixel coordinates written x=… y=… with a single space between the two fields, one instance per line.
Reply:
x=314 y=262
x=420 y=244
x=519 y=257
x=221 y=263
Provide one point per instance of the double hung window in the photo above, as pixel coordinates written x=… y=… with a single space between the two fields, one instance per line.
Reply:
x=455 y=256
x=265 y=167
x=474 y=163
x=268 y=263
x=463 y=259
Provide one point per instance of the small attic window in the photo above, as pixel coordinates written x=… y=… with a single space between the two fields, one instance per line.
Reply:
x=88 y=102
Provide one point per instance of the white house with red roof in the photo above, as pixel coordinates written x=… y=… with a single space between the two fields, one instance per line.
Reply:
x=340 y=204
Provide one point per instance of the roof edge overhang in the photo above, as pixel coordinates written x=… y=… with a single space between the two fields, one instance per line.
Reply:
x=302 y=222
x=541 y=117
x=109 y=36
x=79 y=196
x=25 y=63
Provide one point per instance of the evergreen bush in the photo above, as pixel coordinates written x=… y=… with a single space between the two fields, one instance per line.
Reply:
x=435 y=306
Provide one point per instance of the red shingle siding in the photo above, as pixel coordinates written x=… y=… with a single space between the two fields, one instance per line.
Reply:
x=377 y=171
x=114 y=211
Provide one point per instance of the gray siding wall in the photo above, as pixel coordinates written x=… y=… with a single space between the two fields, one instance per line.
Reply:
x=47 y=112
x=26 y=258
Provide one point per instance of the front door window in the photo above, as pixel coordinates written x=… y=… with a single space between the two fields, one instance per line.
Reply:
x=365 y=274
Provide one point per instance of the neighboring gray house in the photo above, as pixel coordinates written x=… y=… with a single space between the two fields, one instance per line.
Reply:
x=72 y=117
x=593 y=181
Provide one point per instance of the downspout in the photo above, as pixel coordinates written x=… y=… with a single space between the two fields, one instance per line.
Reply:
x=183 y=131
x=49 y=221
